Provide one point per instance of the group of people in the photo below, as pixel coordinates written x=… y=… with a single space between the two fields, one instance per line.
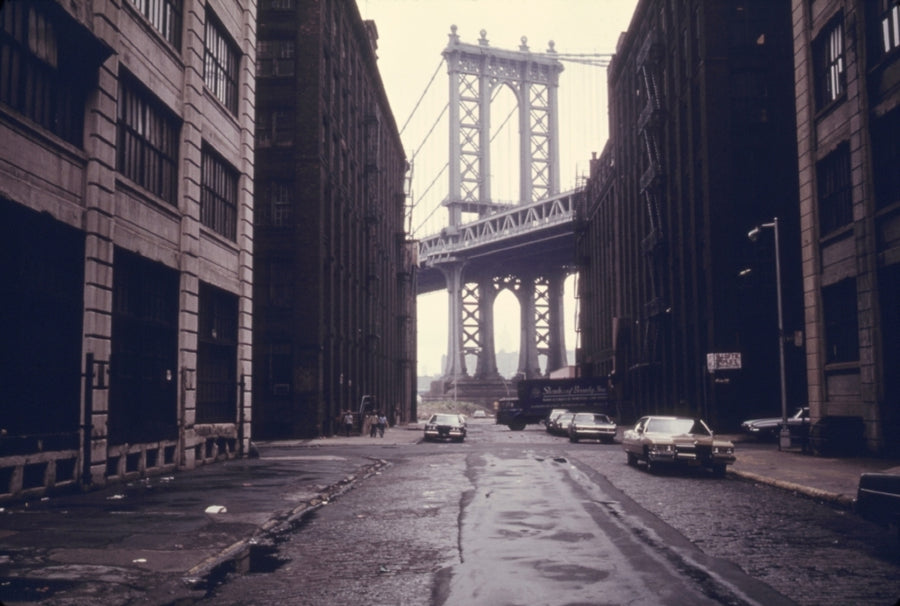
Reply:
x=377 y=423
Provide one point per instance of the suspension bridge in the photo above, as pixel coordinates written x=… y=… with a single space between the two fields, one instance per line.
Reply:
x=488 y=204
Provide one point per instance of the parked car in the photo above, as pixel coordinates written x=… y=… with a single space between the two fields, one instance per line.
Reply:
x=878 y=498
x=591 y=426
x=446 y=427
x=550 y=421
x=479 y=414
x=769 y=428
x=560 y=426
x=670 y=441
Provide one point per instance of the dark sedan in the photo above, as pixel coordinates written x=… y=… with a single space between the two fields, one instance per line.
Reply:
x=769 y=428
x=446 y=427
x=878 y=498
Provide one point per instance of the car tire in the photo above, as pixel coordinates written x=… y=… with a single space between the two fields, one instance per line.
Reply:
x=573 y=438
x=632 y=460
x=651 y=466
x=719 y=470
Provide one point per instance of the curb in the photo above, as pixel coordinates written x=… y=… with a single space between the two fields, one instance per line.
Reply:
x=193 y=578
x=838 y=500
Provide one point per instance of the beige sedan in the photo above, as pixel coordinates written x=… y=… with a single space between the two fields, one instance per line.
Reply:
x=662 y=441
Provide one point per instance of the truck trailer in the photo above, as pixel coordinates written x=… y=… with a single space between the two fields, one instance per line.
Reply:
x=535 y=398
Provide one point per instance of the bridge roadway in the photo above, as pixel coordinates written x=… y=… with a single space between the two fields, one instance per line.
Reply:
x=523 y=237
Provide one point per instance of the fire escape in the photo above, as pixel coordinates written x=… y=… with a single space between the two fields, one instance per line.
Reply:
x=651 y=185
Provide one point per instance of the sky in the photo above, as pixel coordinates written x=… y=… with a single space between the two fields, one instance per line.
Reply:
x=411 y=36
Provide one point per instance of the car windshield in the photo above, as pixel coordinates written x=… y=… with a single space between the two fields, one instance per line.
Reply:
x=587 y=417
x=444 y=420
x=676 y=426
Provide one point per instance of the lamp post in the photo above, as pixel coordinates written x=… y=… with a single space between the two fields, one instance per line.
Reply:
x=784 y=437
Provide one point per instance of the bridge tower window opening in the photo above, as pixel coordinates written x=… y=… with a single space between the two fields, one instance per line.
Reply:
x=507 y=332
x=504 y=147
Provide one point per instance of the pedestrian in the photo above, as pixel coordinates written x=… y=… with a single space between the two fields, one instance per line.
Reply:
x=382 y=423
x=373 y=425
x=348 y=422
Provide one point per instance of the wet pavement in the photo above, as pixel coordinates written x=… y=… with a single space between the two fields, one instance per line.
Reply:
x=158 y=540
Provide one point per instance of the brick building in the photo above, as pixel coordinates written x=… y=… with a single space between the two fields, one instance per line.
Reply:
x=701 y=150
x=126 y=184
x=334 y=298
x=847 y=75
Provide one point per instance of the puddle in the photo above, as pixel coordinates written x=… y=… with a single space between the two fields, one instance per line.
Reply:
x=260 y=558
x=255 y=560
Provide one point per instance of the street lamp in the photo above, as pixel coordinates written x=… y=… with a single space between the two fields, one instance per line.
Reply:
x=784 y=437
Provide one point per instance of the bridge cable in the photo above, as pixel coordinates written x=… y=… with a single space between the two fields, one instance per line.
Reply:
x=431 y=130
x=427 y=189
x=424 y=92
x=446 y=165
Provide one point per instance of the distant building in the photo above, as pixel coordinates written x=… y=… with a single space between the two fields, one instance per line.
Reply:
x=126 y=194
x=334 y=298
x=701 y=150
x=847 y=74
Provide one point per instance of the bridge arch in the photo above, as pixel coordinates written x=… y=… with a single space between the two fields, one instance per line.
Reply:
x=505 y=143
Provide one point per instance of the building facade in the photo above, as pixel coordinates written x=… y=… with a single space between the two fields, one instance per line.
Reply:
x=847 y=84
x=126 y=187
x=701 y=150
x=334 y=299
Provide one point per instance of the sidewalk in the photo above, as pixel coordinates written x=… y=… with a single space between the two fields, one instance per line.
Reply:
x=829 y=479
x=158 y=540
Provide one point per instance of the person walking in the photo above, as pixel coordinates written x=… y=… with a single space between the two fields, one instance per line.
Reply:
x=348 y=422
x=382 y=423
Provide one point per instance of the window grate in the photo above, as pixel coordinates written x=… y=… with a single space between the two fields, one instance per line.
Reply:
x=835 y=192
x=220 y=65
x=218 y=196
x=164 y=16
x=147 y=147
x=217 y=356
x=829 y=64
x=35 y=79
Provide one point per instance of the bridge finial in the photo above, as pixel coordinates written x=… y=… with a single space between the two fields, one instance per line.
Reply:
x=551 y=47
x=454 y=38
x=483 y=41
x=524 y=45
